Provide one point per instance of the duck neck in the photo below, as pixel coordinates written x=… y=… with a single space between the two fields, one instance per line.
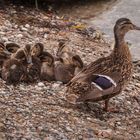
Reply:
x=121 y=47
x=119 y=40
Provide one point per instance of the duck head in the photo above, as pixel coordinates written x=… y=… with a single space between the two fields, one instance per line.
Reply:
x=12 y=47
x=37 y=49
x=47 y=67
x=78 y=63
x=47 y=57
x=122 y=26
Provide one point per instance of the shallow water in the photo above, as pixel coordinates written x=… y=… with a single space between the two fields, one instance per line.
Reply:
x=103 y=15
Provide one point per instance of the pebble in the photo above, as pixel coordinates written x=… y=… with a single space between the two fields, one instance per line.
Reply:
x=27 y=26
x=40 y=84
x=19 y=36
x=45 y=36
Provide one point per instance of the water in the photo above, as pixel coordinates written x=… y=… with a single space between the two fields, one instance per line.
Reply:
x=103 y=15
x=123 y=8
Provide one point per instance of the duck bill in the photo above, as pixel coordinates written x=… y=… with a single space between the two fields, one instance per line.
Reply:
x=136 y=27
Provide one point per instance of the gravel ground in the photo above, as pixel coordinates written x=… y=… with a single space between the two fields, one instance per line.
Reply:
x=39 y=111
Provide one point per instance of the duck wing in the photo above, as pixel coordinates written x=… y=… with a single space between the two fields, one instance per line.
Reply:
x=101 y=87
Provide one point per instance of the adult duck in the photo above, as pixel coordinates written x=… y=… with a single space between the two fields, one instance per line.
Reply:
x=107 y=76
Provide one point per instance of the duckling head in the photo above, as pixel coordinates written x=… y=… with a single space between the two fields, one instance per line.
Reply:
x=78 y=63
x=12 y=47
x=47 y=57
x=3 y=51
x=122 y=26
x=63 y=49
x=37 y=49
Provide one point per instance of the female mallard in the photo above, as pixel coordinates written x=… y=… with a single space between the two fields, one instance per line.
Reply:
x=14 y=68
x=67 y=64
x=106 y=77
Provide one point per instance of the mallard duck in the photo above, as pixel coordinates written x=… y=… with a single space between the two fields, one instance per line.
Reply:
x=67 y=64
x=47 y=67
x=107 y=76
x=14 y=68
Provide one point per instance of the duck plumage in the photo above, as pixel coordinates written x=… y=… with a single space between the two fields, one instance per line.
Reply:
x=117 y=68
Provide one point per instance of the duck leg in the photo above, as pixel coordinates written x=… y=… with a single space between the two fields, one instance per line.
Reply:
x=106 y=105
x=112 y=109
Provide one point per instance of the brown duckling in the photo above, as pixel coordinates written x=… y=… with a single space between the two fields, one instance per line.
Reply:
x=67 y=64
x=33 y=66
x=47 y=67
x=65 y=72
x=107 y=76
x=14 y=69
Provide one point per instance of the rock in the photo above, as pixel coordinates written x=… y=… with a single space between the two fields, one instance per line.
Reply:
x=19 y=36
x=27 y=26
x=5 y=39
x=45 y=35
x=40 y=84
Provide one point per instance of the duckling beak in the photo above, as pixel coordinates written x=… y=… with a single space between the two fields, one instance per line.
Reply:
x=136 y=27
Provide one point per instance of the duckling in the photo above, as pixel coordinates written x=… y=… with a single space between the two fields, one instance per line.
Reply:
x=67 y=64
x=47 y=67
x=65 y=72
x=13 y=69
x=33 y=65
x=107 y=76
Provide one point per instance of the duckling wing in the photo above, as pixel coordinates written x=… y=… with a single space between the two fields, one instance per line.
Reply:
x=102 y=87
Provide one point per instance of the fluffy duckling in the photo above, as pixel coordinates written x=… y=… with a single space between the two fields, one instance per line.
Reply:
x=47 y=67
x=14 y=68
x=33 y=66
x=67 y=64
x=107 y=76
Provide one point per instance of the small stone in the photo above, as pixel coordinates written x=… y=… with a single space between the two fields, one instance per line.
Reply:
x=40 y=84
x=19 y=35
x=24 y=29
x=55 y=85
x=5 y=39
x=45 y=36
x=27 y=26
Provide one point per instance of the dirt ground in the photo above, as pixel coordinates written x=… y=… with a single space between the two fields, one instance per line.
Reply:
x=39 y=111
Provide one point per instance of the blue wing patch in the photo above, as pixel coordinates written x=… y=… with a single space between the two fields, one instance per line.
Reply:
x=104 y=82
